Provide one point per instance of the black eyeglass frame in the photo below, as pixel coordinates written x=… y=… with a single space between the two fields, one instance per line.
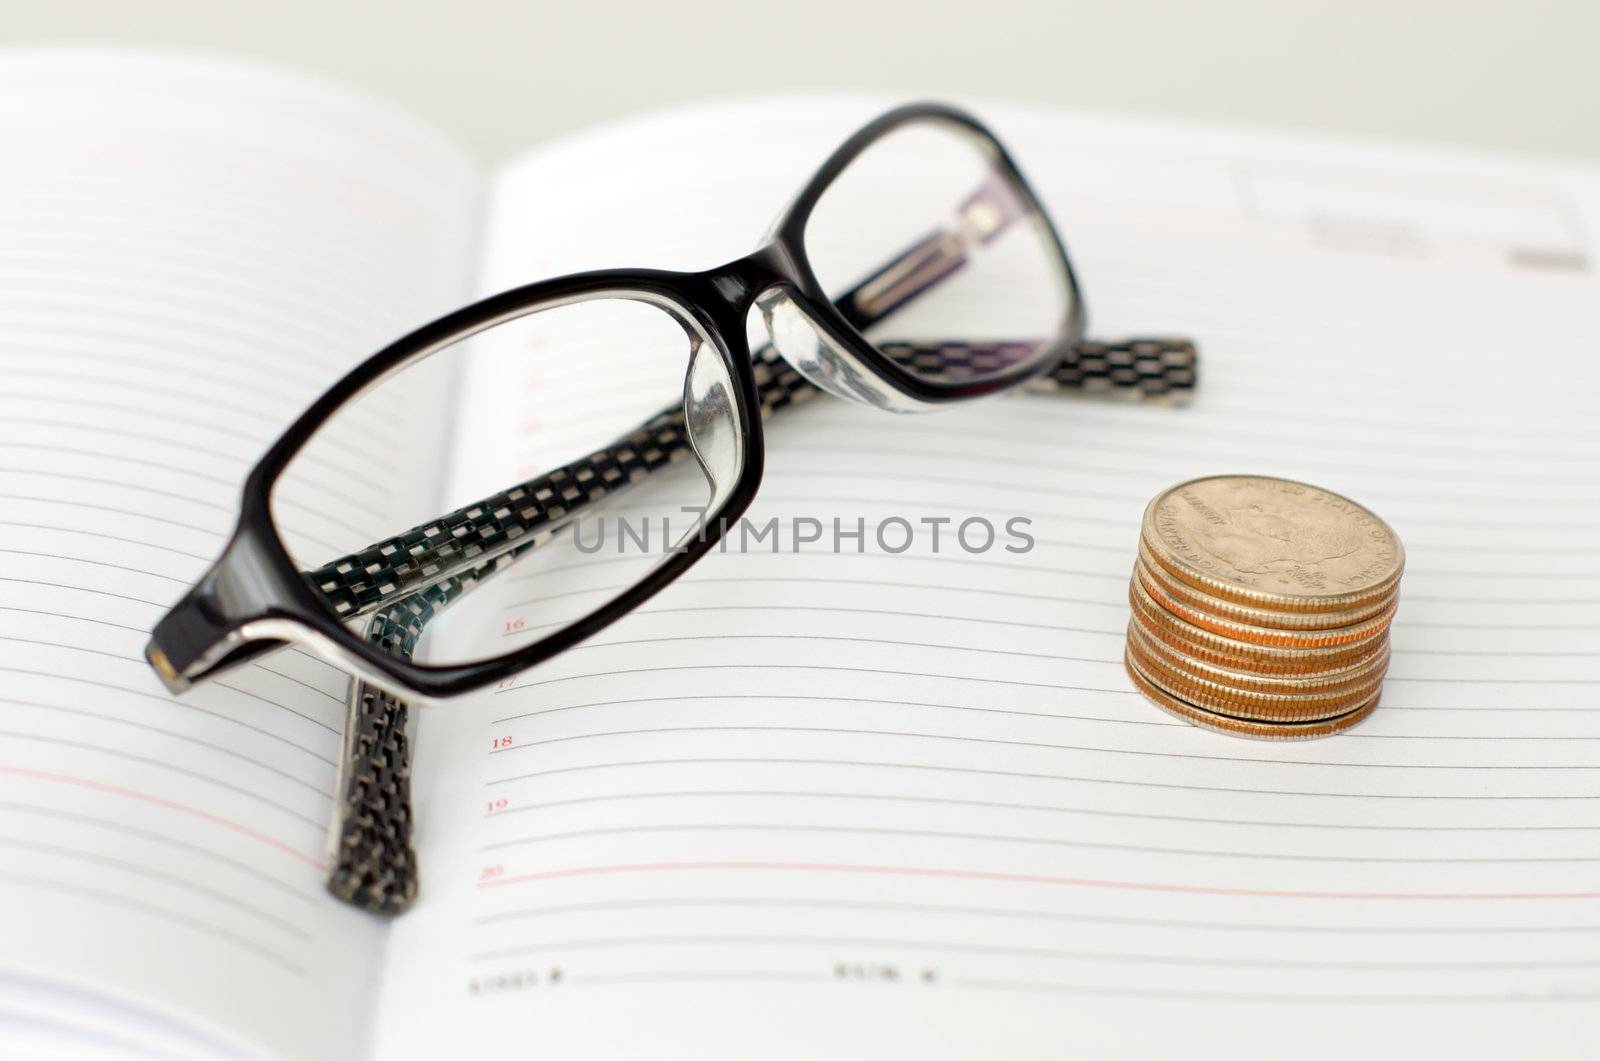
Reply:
x=254 y=598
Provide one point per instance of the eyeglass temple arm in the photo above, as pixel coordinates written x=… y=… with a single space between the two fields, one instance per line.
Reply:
x=373 y=863
x=361 y=582
x=980 y=218
x=408 y=579
x=1163 y=368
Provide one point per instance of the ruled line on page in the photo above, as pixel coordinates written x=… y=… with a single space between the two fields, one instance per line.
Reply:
x=285 y=887
x=701 y=976
x=525 y=686
x=242 y=219
x=1000 y=838
x=114 y=355
x=825 y=699
x=108 y=509
x=374 y=460
x=1027 y=878
x=211 y=894
x=202 y=777
x=123 y=690
x=213 y=318
x=880 y=943
x=194 y=812
x=776 y=698
x=357 y=485
x=1016 y=442
x=525 y=745
x=1012 y=461
x=58 y=268
x=1115 y=435
x=56 y=887
x=1386 y=1000
x=792 y=637
x=53 y=529
x=127 y=295
x=765 y=697
x=1113 y=631
x=1058 y=686
x=524 y=808
x=948 y=561
x=1028 y=914
x=901 y=766
x=318 y=787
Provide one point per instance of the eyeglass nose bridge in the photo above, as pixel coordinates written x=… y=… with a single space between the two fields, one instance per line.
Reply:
x=806 y=343
x=765 y=283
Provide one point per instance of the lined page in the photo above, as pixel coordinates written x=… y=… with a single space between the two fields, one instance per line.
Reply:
x=190 y=251
x=808 y=805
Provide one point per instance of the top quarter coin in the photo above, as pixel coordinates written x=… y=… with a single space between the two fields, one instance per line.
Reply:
x=1272 y=543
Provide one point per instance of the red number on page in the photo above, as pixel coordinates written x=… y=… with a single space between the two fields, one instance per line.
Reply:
x=491 y=872
x=513 y=625
x=498 y=804
x=502 y=742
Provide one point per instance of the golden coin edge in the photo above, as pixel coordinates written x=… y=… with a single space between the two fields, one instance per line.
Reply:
x=1243 y=704
x=1236 y=677
x=1238 y=631
x=1230 y=651
x=1251 y=615
x=1220 y=723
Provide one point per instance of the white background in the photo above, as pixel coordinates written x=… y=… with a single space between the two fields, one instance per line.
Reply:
x=502 y=74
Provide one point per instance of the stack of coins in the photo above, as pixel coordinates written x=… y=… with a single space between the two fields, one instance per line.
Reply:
x=1261 y=606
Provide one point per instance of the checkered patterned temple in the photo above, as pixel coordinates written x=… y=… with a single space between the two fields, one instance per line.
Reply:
x=374 y=865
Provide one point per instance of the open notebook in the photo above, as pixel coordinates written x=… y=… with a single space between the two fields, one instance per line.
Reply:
x=799 y=805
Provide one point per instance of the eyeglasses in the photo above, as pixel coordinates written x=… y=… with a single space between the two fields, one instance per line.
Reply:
x=915 y=269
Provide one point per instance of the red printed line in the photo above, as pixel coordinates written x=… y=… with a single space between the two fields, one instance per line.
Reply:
x=243 y=830
x=1017 y=878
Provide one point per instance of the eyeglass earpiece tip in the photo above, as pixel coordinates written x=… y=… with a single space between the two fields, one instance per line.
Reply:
x=175 y=682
